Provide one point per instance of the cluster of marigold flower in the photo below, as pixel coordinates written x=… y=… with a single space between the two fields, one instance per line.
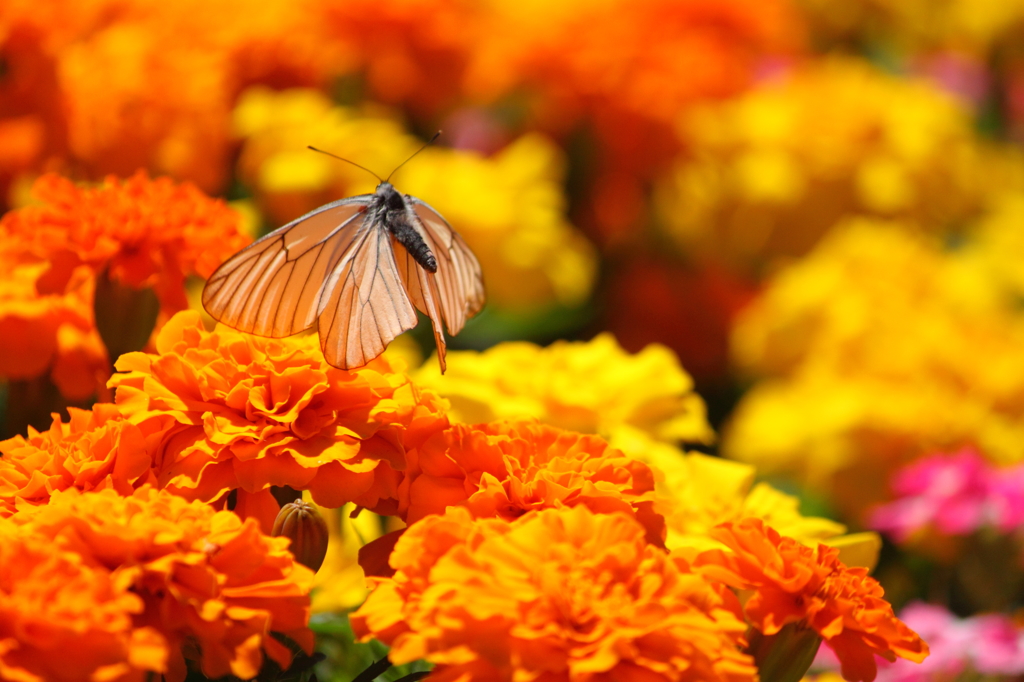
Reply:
x=702 y=155
x=136 y=535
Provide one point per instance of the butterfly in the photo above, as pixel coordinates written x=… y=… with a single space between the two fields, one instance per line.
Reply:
x=358 y=269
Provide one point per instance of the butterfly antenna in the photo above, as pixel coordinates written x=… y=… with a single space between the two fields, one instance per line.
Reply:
x=339 y=158
x=429 y=142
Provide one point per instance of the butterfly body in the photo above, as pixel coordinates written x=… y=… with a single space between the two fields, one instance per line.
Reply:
x=395 y=213
x=358 y=269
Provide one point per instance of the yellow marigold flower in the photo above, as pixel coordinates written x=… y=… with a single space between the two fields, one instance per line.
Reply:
x=511 y=210
x=591 y=387
x=998 y=242
x=243 y=412
x=95 y=450
x=508 y=468
x=698 y=492
x=145 y=233
x=509 y=207
x=792 y=583
x=288 y=178
x=64 y=619
x=560 y=594
x=876 y=348
x=203 y=576
x=771 y=171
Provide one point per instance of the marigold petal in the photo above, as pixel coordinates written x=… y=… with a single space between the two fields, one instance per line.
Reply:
x=243 y=412
x=196 y=573
x=554 y=595
x=793 y=583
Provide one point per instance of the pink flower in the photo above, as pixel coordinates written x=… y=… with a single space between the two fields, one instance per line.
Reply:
x=990 y=645
x=1006 y=497
x=953 y=494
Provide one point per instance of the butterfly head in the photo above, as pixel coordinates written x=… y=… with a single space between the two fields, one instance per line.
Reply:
x=390 y=197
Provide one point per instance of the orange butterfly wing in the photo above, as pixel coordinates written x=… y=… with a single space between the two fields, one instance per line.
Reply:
x=459 y=277
x=367 y=305
x=335 y=268
x=423 y=291
x=274 y=286
x=456 y=291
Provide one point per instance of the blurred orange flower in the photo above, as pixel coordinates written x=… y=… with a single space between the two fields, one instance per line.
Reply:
x=63 y=619
x=48 y=332
x=203 y=576
x=793 y=583
x=507 y=468
x=624 y=70
x=621 y=59
x=95 y=450
x=108 y=86
x=146 y=233
x=560 y=594
x=628 y=69
x=247 y=413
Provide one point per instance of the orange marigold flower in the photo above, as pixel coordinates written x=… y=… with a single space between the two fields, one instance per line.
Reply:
x=148 y=233
x=108 y=86
x=64 y=619
x=204 y=577
x=558 y=595
x=793 y=583
x=48 y=332
x=96 y=449
x=508 y=468
x=247 y=413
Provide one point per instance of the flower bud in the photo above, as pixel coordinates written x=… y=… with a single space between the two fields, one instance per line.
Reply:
x=302 y=523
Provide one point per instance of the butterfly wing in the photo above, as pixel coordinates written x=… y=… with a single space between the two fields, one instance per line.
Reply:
x=338 y=266
x=274 y=286
x=423 y=291
x=365 y=304
x=459 y=279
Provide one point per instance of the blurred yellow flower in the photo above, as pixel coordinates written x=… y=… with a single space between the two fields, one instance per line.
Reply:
x=998 y=241
x=698 y=492
x=592 y=387
x=877 y=347
x=340 y=584
x=511 y=210
x=771 y=171
x=277 y=126
x=509 y=207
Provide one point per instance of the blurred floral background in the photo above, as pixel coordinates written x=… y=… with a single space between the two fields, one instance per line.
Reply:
x=771 y=249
